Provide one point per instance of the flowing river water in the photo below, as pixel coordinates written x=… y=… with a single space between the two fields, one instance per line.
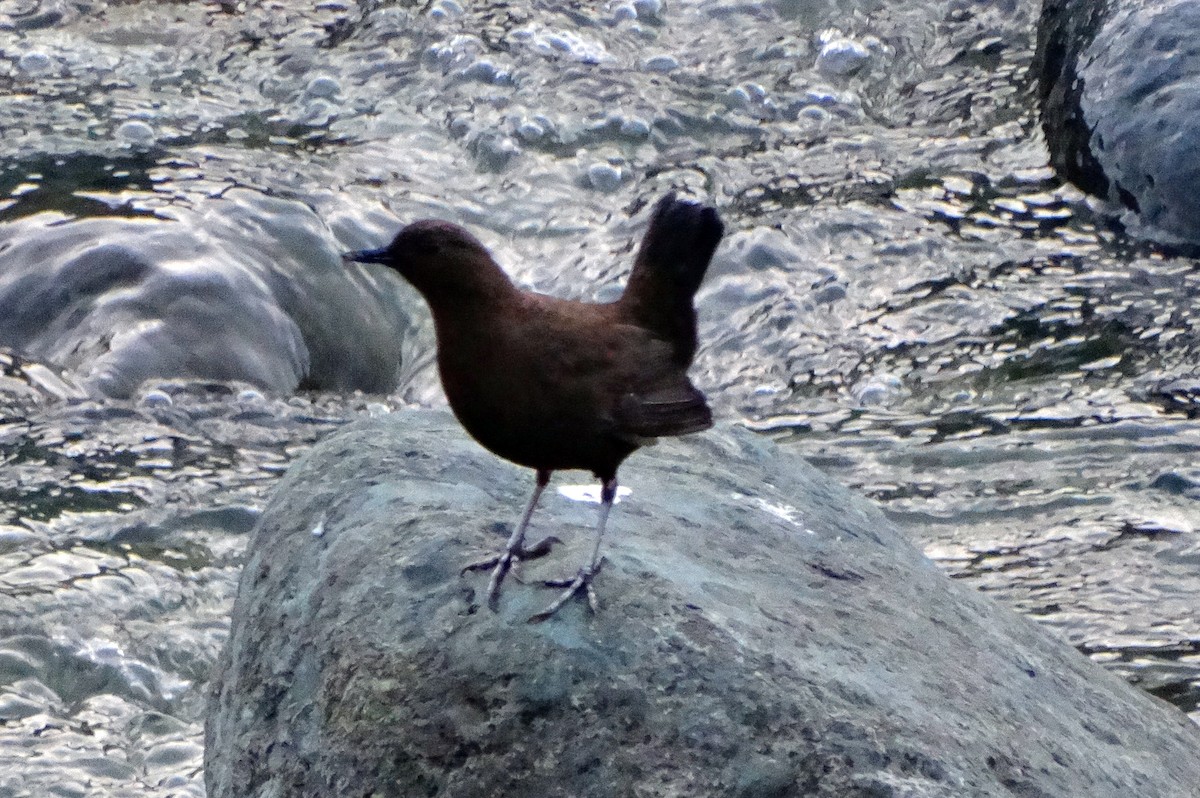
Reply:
x=907 y=296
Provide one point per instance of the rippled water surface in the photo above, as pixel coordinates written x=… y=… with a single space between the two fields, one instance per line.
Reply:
x=906 y=295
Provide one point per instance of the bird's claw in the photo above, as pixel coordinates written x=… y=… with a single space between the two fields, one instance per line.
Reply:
x=582 y=581
x=539 y=549
x=502 y=563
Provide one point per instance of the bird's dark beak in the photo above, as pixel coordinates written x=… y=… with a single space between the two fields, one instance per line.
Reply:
x=367 y=256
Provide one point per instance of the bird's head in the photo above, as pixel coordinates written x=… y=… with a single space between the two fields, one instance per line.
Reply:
x=439 y=258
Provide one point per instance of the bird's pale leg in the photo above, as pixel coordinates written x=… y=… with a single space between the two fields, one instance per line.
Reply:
x=582 y=581
x=514 y=550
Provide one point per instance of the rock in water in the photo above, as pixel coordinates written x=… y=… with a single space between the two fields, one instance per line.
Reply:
x=765 y=633
x=1120 y=99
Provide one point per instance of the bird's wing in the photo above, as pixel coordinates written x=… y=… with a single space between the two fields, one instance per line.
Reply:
x=676 y=408
x=623 y=376
x=655 y=397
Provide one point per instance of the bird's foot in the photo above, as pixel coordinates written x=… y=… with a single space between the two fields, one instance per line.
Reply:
x=581 y=582
x=502 y=563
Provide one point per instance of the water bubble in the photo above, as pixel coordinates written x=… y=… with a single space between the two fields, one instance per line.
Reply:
x=840 y=103
x=459 y=49
x=813 y=112
x=635 y=128
x=661 y=63
x=878 y=390
x=482 y=70
x=562 y=43
x=530 y=130
x=135 y=131
x=623 y=11
x=157 y=398
x=842 y=56
x=323 y=86
x=34 y=62
x=604 y=177
x=737 y=97
x=823 y=97
x=445 y=9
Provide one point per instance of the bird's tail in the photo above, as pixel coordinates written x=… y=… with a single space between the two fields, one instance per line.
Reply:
x=669 y=268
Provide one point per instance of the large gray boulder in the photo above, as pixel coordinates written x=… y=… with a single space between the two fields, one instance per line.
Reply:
x=1119 y=83
x=763 y=633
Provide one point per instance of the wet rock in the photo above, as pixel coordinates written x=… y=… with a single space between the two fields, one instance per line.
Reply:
x=246 y=288
x=763 y=633
x=1120 y=101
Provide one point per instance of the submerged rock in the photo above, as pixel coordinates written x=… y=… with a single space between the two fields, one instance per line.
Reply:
x=763 y=632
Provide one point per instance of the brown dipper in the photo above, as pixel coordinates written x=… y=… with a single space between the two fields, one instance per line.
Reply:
x=553 y=383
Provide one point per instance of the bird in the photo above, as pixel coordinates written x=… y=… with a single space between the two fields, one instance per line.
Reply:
x=558 y=384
